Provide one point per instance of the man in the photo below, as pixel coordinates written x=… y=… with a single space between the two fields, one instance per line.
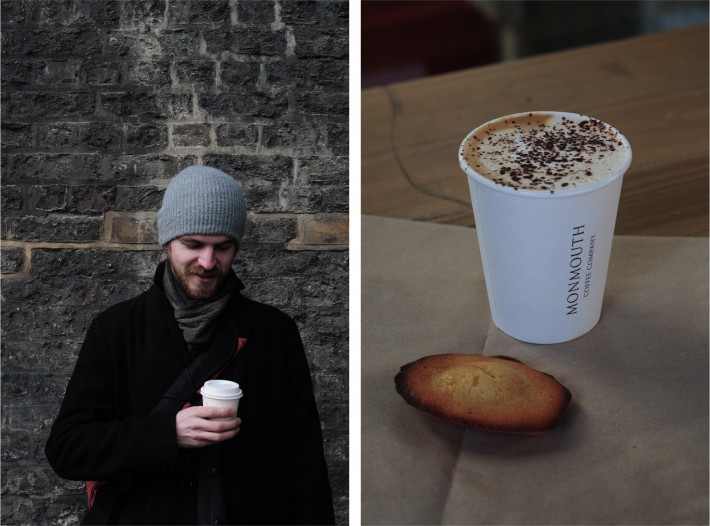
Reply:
x=157 y=456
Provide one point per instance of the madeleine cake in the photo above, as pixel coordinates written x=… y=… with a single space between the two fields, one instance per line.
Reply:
x=491 y=393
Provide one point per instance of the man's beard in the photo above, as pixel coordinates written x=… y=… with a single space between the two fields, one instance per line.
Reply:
x=194 y=289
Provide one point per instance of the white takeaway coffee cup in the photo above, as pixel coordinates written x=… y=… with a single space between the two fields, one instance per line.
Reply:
x=545 y=190
x=221 y=393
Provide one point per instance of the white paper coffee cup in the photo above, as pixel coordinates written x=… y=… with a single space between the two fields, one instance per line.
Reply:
x=221 y=393
x=545 y=255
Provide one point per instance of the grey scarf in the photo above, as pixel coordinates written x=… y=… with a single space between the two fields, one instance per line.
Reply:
x=196 y=318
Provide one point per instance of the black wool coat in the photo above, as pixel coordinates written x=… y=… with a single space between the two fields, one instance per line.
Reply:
x=272 y=472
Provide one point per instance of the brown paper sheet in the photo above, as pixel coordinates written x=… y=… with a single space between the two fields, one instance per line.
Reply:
x=632 y=447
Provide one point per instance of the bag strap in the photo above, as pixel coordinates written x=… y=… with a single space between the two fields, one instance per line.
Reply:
x=202 y=367
x=225 y=346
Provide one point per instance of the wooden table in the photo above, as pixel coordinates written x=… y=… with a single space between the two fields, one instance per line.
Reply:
x=653 y=88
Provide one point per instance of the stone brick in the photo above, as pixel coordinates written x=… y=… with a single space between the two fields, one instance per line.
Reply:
x=147 y=105
x=138 y=45
x=31 y=388
x=48 y=198
x=338 y=142
x=38 y=419
x=15 y=446
x=146 y=136
x=13 y=12
x=248 y=104
x=78 y=13
x=178 y=42
x=141 y=13
x=16 y=134
x=19 y=510
x=80 y=199
x=93 y=13
x=305 y=137
x=266 y=199
x=239 y=74
x=34 y=482
x=334 y=414
x=42 y=104
x=191 y=135
x=301 y=199
x=307 y=74
x=54 y=42
x=195 y=72
x=22 y=510
x=101 y=135
x=57 y=73
x=12 y=198
x=338 y=385
x=48 y=168
x=100 y=73
x=323 y=229
x=263 y=229
x=12 y=258
x=52 y=228
x=90 y=199
x=45 y=322
x=51 y=13
x=253 y=169
x=16 y=73
x=93 y=293
x=212 y=12
x=154 y=74
x=58 y=135
x=247 y=41
x=236 y=134
x=326 y=13
x=255 y=12
x=97 y=263
x=134 y=229
x=54 y=355
x=259 y=262
x=138 y=198
x=320 y=42
x=323 y=103
x=140 y=168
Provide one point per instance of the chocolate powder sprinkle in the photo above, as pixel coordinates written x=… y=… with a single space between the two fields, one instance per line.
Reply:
x=544 y=154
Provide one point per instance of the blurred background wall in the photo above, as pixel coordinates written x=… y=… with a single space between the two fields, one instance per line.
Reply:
x=403 y=40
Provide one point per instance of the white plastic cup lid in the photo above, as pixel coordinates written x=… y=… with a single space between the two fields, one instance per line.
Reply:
x=221 y=389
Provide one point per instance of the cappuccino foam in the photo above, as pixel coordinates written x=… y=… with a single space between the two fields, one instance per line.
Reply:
x=545 y=151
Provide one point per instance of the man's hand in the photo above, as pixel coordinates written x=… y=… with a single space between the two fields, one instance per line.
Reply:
x=195 y=429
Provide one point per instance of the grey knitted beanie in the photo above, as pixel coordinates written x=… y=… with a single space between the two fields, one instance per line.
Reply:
x=202 y=200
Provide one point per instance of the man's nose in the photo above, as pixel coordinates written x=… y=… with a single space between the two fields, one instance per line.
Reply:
x=206 y=258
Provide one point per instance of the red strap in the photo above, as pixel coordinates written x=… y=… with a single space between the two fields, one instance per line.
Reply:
x=92 y=487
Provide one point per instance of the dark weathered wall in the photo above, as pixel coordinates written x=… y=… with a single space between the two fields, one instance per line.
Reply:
x=103 y=102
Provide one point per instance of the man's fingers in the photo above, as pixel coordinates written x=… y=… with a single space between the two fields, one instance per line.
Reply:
x=220 y=436
x=205 y=438
x=196 y=426
x=218 y=426
x=203 y=411
x=219 y=412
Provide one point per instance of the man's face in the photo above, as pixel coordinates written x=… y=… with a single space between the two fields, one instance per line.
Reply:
x=201 y=262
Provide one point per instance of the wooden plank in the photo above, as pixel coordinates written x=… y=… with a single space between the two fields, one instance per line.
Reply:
x=653 y=88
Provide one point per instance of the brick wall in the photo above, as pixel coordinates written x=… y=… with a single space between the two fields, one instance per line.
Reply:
x=103 y=102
